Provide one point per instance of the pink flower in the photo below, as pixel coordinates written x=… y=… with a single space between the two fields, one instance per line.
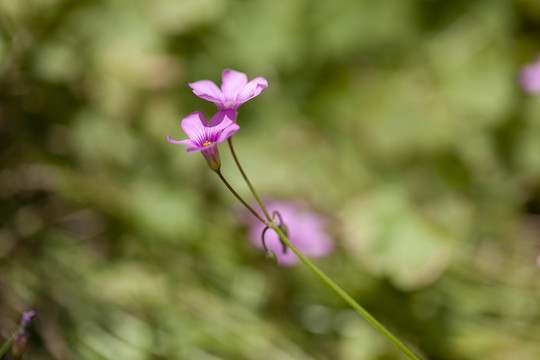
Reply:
x=235 y=89
x=306 y=231
x=530 y=77
x=204 y=136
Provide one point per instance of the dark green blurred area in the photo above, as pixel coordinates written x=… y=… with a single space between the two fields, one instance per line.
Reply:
x=400 y=120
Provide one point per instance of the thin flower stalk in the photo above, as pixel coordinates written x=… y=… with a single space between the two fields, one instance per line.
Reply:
x=356 y=306
x=246 y=179
x=231 y=189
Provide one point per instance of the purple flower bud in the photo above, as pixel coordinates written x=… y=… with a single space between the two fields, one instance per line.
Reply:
x=27 y=318
x=17 y=348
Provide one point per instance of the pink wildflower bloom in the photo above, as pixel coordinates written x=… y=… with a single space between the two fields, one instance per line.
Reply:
x=204 y=136
x=530 y=77
x=235 y=89
x=306 y=231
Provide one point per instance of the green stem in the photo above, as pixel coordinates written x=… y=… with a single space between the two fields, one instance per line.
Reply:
x=229 y=140
x=218 y=172
x=5 y=347
x=346 y=296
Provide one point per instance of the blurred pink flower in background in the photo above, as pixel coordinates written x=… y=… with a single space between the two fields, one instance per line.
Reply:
x=306 y=231
x=529 y=77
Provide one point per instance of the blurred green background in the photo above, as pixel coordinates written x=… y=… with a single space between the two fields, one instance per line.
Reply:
x=400 y=120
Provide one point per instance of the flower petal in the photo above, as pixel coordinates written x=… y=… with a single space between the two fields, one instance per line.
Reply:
x=222 y=119
x=188 y=142
x=252 y=89
x=196 y=148
x=222 y=125
x=228 y=132
x=194 y=126
x=233 y=82
x=207 y=90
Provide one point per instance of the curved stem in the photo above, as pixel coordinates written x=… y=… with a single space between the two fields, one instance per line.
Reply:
x=240 y=198
x=346 y=297
x=229 y=140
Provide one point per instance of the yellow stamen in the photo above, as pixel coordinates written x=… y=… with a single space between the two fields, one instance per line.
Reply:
x=207 y=143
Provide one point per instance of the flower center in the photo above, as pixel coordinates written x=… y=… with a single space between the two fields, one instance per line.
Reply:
x=207 y=143
x=230 y=104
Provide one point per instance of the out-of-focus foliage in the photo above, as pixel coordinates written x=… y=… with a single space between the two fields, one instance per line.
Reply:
x=399 y=119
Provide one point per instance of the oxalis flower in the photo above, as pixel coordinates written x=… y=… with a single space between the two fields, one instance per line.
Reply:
x=204 y=136
x=235 y=89
x=529 y=77
x=306 y=231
